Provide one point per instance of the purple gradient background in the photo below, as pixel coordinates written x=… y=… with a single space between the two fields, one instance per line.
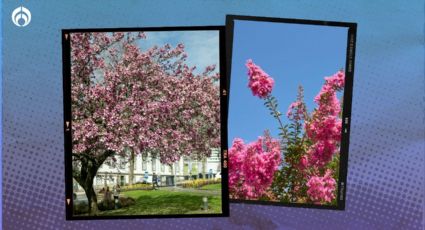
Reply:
x=385 y=187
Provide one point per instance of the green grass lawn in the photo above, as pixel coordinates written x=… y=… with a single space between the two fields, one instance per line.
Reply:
x=212 y=187
x=160 y=202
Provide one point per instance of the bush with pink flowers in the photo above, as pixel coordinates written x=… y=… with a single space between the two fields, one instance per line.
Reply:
x=253 y=166
x=301 y=165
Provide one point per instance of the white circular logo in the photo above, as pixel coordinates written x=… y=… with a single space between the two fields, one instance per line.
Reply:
x=21 y=16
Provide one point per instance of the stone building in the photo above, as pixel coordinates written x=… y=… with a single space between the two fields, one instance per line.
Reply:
x=144 y=167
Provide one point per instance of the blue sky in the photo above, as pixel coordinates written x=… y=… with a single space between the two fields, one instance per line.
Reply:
x=293 y=54
x=202 y=47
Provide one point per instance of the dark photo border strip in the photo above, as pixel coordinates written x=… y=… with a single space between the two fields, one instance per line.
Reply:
x=66 y=53
x=347 y=97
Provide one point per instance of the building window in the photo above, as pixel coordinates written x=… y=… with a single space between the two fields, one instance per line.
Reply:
x=122 y=180
x=177 y=167
x=194 y=169
x=122 y=163
x=200 y=167
x=162 y=168
x=185 y=168
x=135 y=162
x=153 y=164
x=144 y=164
x=111 y=164
x=215 y=155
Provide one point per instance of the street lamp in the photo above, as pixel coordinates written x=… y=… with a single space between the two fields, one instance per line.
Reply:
x=205 y=200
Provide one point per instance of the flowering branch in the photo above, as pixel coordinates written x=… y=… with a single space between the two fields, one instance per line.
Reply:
x=261 y=85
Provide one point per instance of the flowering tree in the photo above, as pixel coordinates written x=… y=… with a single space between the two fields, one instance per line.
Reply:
x=126 y=101
x=309 y=144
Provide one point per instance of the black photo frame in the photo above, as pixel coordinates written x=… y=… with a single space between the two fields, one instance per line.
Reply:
x=347 y=97
x=66 y=58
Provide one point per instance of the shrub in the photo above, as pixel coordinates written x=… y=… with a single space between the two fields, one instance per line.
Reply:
x=199 y=183
x=106 y=205
x=81 y=208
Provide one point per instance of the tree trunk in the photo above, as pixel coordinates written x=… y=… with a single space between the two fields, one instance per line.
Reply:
x=85 y=177
x=131 y=170
x=92 y=200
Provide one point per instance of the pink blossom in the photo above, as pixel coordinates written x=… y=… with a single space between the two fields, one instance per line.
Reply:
x=209 y=69
x=321 y=152
x=252 y=167
x=329 y=128
x=327 y=101
x=336 y=81
x=321 y=189
x=236 y=159
x=296 y=111
x=260 y=83
x=303 y=163
x=324 y=129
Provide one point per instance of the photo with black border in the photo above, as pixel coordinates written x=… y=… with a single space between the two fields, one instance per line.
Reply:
x=289 y=108
x=145 y=126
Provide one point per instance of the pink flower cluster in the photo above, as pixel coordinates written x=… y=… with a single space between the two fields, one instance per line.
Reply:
x=321 y=153
x=321 y=189
x=237 y=154
x=336 y=81
x=303 y=164
x=324 y=129
x=252 y=167
x=296 y=111
x=260 y=83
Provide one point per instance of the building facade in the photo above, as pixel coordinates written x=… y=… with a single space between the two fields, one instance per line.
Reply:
x=144 y=167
